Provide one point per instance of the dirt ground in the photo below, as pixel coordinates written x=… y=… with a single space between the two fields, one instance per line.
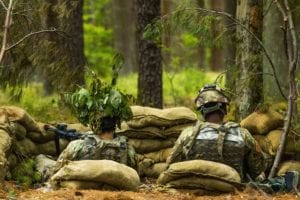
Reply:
x=12 y=192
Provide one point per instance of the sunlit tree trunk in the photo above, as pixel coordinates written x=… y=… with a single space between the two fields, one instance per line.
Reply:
x=124 y=32
x=149 y=57
x=249 y=57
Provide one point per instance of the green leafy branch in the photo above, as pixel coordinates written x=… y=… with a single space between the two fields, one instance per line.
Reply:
x=100 y=100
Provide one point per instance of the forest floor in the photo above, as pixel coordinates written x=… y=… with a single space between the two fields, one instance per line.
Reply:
x=13 y=192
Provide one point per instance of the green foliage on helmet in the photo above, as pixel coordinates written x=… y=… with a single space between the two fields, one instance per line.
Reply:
x=100 y=100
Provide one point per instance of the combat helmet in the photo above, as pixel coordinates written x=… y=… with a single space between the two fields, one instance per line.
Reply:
x=211 y=98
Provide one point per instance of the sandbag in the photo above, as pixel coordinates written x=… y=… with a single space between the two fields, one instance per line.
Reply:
x=264 y=144
x=3 y=116
x=195 y=182
x=84 y=185
x=201 y=168
x=5 y=142
x=159 y=156
x=262 y=122
x=26 y=148
x=146 y=116
x=152 y=171
x=44 y=164
x=274 y=138
x=18 y=130
x=149 y=145
x=175 y=131
x=41 y=136
x=12 y=161
x=197 y=192
x=16 y=114
x=140 y=133
x=5 y=145
x=49 y=148
x=288 y=166
x=109 y=172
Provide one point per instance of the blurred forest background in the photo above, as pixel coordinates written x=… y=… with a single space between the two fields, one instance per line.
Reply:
x=170 y=49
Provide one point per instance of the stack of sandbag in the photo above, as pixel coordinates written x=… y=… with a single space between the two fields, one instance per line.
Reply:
x=288 y=166
x=21 y=137
x=96 y=174
x=200 y=177
x=266 y=127
x=153 y=132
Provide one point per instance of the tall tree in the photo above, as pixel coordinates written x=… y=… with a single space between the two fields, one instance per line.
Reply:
x=216 y=59
x=201 y=48
x=124 y=32
x=149 y=57
x=61 y=55
x=272 y=32
x=249 y=84
x=229 y=46
x=166 y=36
x=56 y=53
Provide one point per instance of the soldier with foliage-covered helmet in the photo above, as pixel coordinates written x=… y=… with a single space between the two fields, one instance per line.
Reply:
x=102 y=107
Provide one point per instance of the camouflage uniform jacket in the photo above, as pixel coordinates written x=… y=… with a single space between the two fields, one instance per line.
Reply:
x=227 y=143
x=93 y=148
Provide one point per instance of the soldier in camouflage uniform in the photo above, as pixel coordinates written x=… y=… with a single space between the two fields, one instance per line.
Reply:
x=219 y=141
x=98 y=147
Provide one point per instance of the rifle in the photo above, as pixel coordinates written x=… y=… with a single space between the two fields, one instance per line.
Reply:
x=61 y=131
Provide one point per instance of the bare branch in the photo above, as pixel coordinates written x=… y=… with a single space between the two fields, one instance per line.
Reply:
x=29 y=35
x=254 y=36
x=293 y=60
x=3 y=5
x=5 y=32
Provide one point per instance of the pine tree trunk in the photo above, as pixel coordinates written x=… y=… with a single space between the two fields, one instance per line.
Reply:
x=149 y=57
x=217 y=59
x=166 y=37
x=201 y=48
x=249 y=57
x=229 y=46
x=272 y=32
x=124 y=33
x=75 y=49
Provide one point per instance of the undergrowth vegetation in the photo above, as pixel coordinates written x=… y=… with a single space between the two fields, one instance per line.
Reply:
x=180 y=88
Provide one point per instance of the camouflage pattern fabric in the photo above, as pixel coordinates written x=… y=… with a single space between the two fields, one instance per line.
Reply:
x=93 y=148
x=227 y=143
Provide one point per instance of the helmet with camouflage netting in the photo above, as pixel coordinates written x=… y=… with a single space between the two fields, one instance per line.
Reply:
x=211 y=98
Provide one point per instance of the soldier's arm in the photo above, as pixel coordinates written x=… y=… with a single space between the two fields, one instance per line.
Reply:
x=69 y=153
x=132 y=158
x=255 y=158
x=177 y=154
